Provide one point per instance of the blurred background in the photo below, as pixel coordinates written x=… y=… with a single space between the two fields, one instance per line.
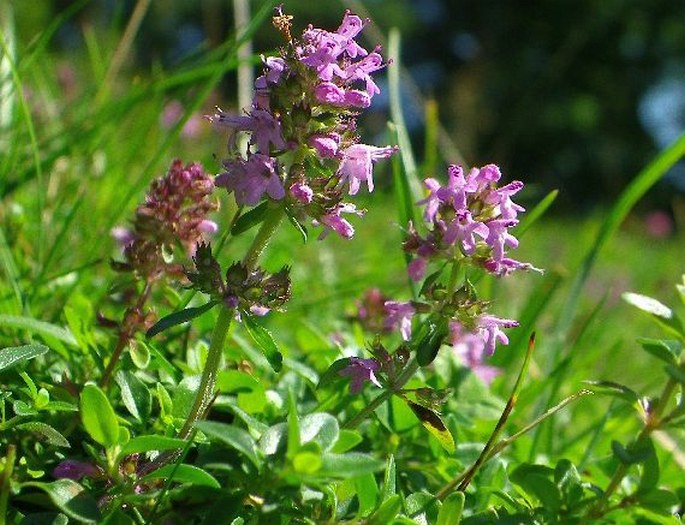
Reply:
x=573 y=94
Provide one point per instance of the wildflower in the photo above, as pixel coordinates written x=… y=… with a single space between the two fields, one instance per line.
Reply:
x=356 y=164
x=473 y=215
x=250 y=179
x=360 y=370
x=399 y=315
x=470 y=348
x=174 y=212
x=325 y=145
x=333 y=220
x=302 y=192
x=265 y=127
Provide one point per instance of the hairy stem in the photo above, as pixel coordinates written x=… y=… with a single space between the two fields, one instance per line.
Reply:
x=205 y=392
x=273 y=218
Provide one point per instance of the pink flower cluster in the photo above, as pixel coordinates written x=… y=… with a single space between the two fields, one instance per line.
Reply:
x=470 y=218
x=175 y=212
x=303 y=144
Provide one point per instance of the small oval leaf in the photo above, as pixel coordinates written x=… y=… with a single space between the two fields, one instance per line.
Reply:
x=98 y=416
x=14 y=355
x=46 y=432
x=264 y=340
x=432 y=421
x=185 y=474
x=70 y=498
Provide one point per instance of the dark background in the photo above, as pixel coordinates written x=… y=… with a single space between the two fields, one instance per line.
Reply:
x=571 y=94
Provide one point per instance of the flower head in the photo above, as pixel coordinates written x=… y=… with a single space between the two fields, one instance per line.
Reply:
x=357 y=162
x=399 y=315
x=361 y=370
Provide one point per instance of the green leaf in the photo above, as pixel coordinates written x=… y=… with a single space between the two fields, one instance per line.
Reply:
x=135 y=394
x=321 y=428
x=432 y=422
x=568 y=480
x=632 y=454
x=46 y=432
x=430 y=344
x=676 y=373
x=348 y=465
x=264 y=340
x=70 y=498
x=273 y=439
x=98 y=416
x=649 y=477
x=299 y=227
x=251 y=396
x=613 y=389
x=668 y=350
x=367 y=493
x=176 y=318
x=452 y=507
x=307 y=461
x=347 y=440
x=250 y=219
x=14 y=355
x=140 y=353
x=36 y=326
x=233 y=436
x=293 y=422
x=140 y=444
x=184 y=474
x=389 y=479
x=658 y=500
x=387 y=511
x=535 y=481
x=422 y=507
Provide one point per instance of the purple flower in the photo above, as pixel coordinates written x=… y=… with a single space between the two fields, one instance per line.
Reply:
x=399 y=315
x=301 y=192
x=361 y=370
x=417 y=268
x=325 y=145
x=265 y=127
x=470 y=348
x=499 y=237
x=333 y=221
x=250 y=179
x=329 y=93
x=490 y=327
x=357 y=164
x=362 y=69
x=74 y=469
x=462 y=229
x=123 y=236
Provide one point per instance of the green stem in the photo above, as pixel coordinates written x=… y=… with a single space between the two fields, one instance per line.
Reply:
x=205 y=392
x=652 y=423
x=273 y=218
x=5 y=479
x=395 y=387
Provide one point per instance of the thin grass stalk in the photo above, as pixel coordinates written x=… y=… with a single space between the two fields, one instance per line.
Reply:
x=123 y=49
